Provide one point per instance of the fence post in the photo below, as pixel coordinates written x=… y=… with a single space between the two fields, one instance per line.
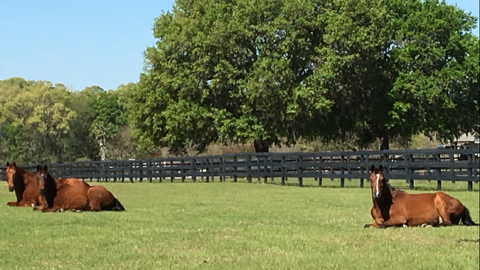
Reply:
x=222 y=169
x=320 y=171
x=439 y=172
x=471 y=159
x=182 y=170
x=249 y=169
x=193 y=165
x=284 y=171
x=411 y=173
x=342 y=171
x=362 y=159
x=300 y=171
x=235 y=169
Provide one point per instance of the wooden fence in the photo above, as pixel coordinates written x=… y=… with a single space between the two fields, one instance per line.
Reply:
x=424 y=164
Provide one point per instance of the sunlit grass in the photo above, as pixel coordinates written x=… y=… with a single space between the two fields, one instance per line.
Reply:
x=233 y=226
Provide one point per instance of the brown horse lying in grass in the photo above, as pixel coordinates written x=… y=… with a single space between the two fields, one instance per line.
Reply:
x=395 y=208
x=61 y=194
x=73 y=194
x=24 y=184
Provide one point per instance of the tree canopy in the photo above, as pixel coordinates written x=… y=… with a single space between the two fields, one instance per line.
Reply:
x=274 y=71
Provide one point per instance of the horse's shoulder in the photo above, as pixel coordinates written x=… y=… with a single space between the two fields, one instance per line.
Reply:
x=398 y=193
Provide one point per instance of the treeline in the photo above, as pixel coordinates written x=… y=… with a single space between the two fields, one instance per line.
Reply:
x=45 y=122
x=264 y=73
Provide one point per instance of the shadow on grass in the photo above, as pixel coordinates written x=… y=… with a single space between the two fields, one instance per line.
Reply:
x=469 y=240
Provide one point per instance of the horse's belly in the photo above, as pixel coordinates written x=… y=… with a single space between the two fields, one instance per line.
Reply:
x=75 y=200
x=422 y=213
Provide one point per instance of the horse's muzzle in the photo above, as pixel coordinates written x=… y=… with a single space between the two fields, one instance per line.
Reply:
x=11 y=189
x=376 y=195
x=41 y=190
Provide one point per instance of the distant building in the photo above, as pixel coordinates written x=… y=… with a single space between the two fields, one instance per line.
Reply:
x=466 y=141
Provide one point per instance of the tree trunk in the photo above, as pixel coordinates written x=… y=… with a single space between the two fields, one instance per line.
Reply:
x=261 y=146
x=103 y=149
x=385 y=141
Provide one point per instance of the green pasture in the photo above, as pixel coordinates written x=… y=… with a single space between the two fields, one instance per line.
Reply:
x=226 y=225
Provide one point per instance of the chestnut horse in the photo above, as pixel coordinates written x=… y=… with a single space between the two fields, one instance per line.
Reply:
x=24 y=184
x=61 y=194
x=98 y=198
x=395 y=208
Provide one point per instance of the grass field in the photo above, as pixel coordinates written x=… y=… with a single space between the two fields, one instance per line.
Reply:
x=233 y=226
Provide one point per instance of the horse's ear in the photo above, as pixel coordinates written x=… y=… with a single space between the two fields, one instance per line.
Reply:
x=380 y=168
x=8 y=163
x=372 y=169
x=45 y=168
x=14 y=164
x=38 y=168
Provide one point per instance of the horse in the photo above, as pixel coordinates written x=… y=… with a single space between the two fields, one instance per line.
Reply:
x=397 y=208
x=61 y=194
x=24 y=184
x=98 y=197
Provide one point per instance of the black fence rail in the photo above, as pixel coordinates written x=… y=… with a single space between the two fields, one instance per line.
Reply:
x=424 y=164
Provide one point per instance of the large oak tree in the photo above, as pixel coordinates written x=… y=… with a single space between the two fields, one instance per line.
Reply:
x=271 y=71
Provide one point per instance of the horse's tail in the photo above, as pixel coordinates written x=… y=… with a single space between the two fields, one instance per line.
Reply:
x=466 y=218
x=118 y=206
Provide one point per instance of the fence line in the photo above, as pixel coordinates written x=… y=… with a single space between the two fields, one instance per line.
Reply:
x=411 y=165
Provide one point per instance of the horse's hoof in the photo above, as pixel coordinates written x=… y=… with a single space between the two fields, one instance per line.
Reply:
x=425 y=225
x=405 y=226
x=366 y=226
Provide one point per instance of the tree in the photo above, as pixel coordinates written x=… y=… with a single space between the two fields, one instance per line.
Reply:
x=229 y=71
x=275 y=71
x=399 y=68
x=37 y=112
x=110 y=117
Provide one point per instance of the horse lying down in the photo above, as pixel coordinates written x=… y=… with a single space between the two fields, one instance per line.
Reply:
x=24 y=184
x=58 y=195
x=397 y=208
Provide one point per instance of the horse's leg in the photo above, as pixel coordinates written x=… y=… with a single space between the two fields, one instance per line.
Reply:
x=375 y=225
x=12 y=203
x=441 y=206
x=377 y=216
x=53 y=209
x=394 y=221
x=95 y=205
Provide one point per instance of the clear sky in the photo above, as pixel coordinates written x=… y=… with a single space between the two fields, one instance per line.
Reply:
x=84 y=43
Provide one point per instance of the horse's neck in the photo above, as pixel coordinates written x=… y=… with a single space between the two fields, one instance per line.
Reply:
x=386 y=196
x=51 y=190
x=28 y=177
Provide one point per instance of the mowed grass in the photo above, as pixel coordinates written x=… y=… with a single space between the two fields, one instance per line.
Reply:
x=225 y=225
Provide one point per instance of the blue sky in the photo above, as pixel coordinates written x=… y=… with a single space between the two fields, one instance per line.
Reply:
x=87 y=42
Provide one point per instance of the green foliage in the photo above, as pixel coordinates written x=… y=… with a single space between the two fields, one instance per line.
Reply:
x=230 y=72
x=400 y=68
x=110 y=117
x=36 y=117
x=275 y=71
x=232 y=226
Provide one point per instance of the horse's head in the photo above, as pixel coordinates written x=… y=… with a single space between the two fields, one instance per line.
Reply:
x=11 y=170
x=42 y=178
x=376 y=181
